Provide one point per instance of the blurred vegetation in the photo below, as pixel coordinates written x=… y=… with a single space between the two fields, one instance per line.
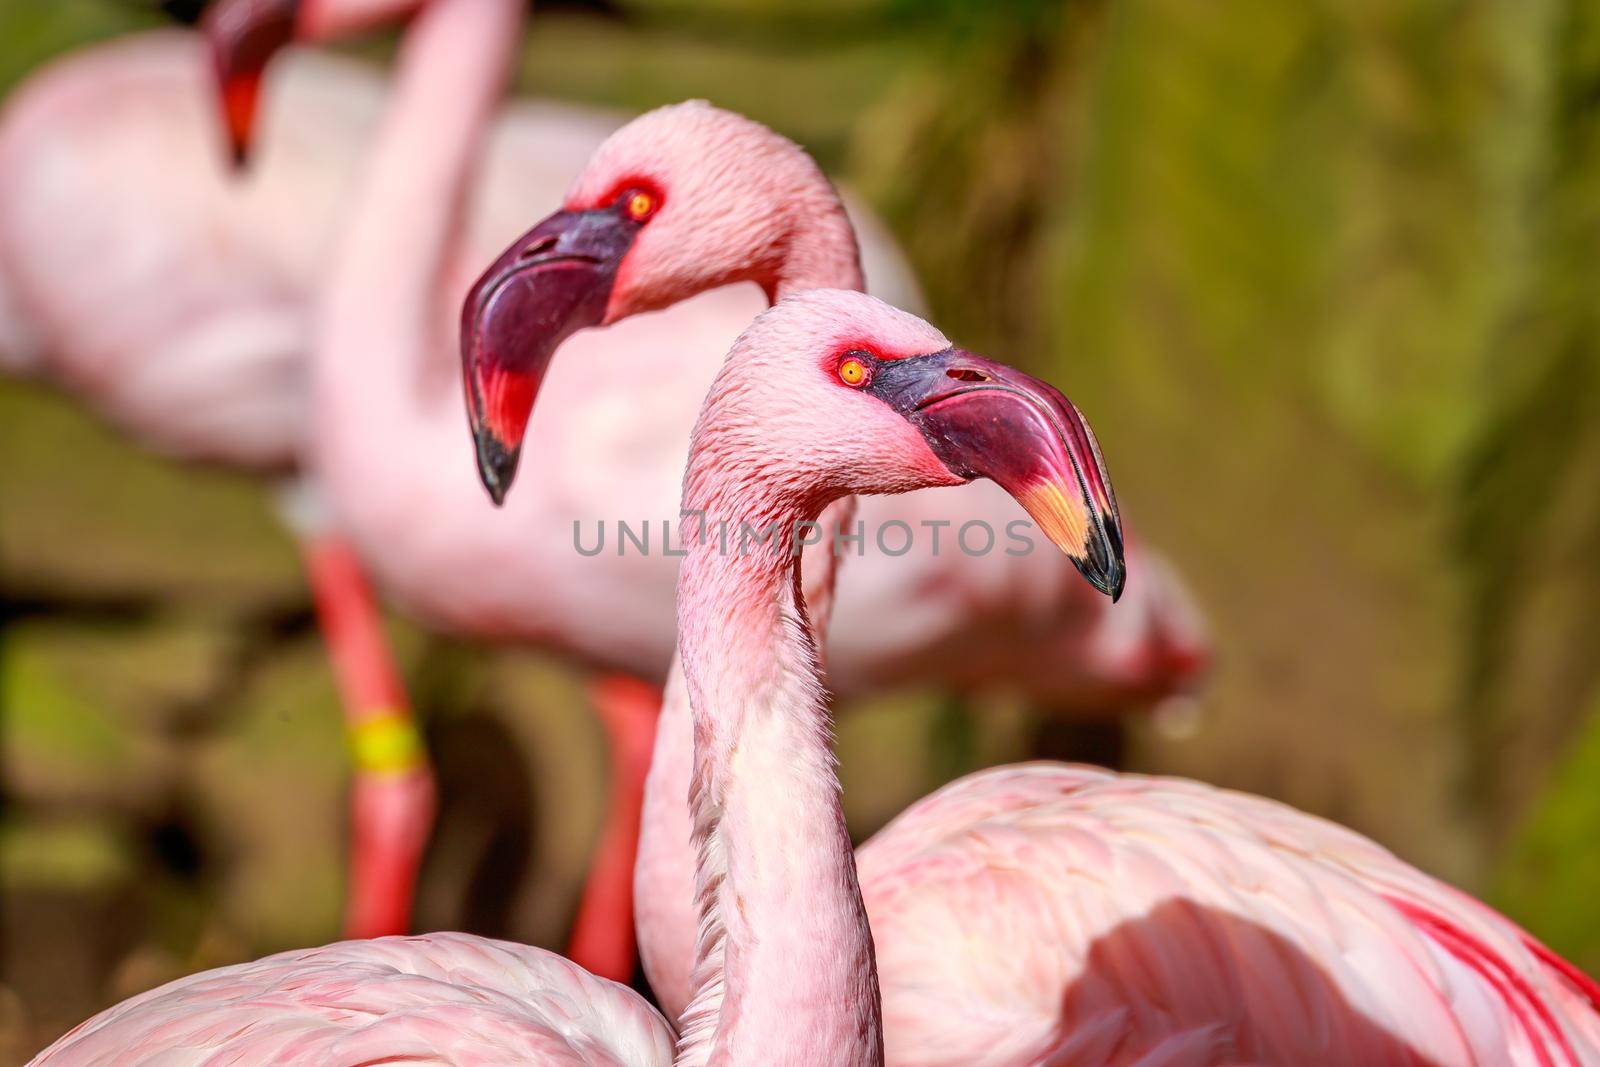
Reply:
x=1320 y=273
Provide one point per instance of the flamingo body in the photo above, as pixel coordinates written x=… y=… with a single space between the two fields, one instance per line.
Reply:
x=444 y=999
x=1046 y=913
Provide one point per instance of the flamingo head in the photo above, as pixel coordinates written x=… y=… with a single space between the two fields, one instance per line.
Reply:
x=833 y=392
x=683 y=199
x=244 y=35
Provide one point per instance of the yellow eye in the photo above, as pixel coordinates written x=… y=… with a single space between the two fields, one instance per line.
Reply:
x=853 y=372
x=641 y=205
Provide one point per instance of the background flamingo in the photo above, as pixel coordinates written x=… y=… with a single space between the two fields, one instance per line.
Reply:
x=462 y=1000
x=388 y=439
x=175 y=302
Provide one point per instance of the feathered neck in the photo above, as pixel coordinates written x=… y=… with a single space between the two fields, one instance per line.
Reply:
x=784 y=954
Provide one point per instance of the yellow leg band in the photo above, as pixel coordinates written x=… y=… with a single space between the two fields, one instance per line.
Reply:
x=387 y=743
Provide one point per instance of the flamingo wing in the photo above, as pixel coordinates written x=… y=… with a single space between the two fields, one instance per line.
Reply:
x=1048 y=914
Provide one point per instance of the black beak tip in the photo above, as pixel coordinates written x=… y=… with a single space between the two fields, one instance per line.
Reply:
x=1118 y=581
x=1104 y=567
x=497 y=465
x=1109 y=581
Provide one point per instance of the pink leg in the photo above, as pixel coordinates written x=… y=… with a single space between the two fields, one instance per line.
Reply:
x=602 y=935
x=392 y=793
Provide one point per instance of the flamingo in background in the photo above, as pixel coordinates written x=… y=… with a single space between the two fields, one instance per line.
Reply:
x=388 y=448
x=175 y=303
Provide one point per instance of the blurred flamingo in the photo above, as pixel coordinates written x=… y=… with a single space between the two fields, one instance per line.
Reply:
x=1036 y=914
x=387 y=439
x=176 y=303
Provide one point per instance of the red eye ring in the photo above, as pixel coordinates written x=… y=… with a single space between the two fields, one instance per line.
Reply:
x=854 y=370
x=640 y=204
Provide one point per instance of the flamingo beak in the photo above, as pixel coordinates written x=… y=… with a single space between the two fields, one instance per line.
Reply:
x=555 y=280
x=244 y=35
x=986 y=420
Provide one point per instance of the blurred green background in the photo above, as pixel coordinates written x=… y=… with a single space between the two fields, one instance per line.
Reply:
x=1324 y=274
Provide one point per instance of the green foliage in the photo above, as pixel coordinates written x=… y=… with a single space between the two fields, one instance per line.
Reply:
x=955 y=158
x=1527 y=521
x=34 y=30
x=51 y=729
x=61 y=855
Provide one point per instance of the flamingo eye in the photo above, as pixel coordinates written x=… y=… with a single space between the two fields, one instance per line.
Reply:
x=853 y=372
x=641 y=205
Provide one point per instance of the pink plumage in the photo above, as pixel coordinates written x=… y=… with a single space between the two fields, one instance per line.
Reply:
x=192 y=327
x=176 y=300
x=1046 y=913
x=438 y=999
x=743 y=204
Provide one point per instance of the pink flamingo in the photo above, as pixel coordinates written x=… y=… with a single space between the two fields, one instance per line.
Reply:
x=385 y=440
x=1336 y=954
x=1073 y=964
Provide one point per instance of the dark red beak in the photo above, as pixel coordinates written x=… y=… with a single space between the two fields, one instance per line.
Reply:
x=244 y=36
x=552 y=282
x=986 y=420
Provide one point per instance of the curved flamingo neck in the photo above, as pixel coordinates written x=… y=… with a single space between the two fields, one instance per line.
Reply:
x=383 y=316
x=821 y=252
x=784 y=955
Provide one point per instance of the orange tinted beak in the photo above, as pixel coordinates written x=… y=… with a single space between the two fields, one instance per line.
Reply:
x=244 y=35
x=986 y=420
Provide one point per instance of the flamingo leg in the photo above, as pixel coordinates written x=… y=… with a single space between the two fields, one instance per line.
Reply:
x=392 y=788
x=602 y=935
